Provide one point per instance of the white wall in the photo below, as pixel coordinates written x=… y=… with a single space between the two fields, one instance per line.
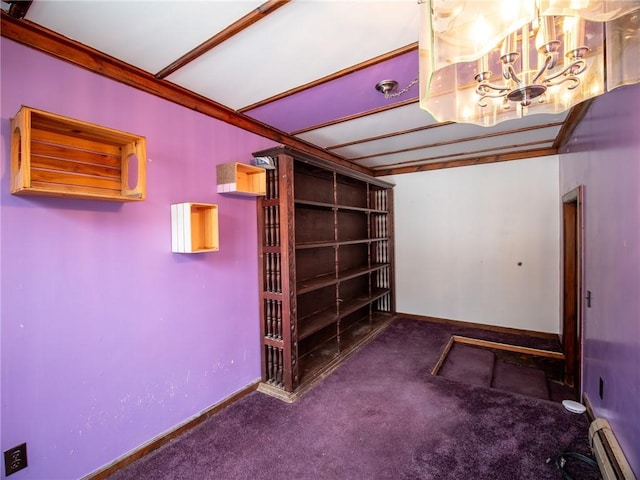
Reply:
x=460 y=234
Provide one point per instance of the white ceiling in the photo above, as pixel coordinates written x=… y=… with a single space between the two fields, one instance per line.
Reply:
x=307 y=68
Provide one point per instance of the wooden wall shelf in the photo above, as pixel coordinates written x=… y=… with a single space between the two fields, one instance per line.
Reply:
x=56 y=156
x=194 y=228
x=241 y=179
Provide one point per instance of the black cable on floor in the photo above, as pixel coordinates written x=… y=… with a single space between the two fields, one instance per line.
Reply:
x=561 y=460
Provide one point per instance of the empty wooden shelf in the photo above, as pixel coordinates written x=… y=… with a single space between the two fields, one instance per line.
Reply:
x=194 y=228
x=326 y=263
x=52 y=155
x=241 y=179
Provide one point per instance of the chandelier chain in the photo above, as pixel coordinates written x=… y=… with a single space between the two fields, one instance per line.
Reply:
x=403 y=91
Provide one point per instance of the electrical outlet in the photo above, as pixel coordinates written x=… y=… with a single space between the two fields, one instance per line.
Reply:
x=601 y=388
x=15 y=459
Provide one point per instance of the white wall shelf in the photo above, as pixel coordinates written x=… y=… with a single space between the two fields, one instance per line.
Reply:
x=194 y=228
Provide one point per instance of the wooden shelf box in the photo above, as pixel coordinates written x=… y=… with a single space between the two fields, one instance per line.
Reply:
x=194 y=228
x=241 y=179
x=56 y=156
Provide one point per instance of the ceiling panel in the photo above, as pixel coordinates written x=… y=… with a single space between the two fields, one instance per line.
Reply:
x=149 y=34
x=451 y=134
x=442 y=134
x=396 y=119
x=297 y=44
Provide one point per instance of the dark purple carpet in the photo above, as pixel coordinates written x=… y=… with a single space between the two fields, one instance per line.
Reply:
x=381 y=415
x=469 y=365
x=479 y=366
x=522 y=380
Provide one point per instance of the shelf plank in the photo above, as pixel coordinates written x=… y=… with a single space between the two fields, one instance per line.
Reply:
x=354 y=272
x=321 y=281
x=76 y=180
x=315 y=283
x=339 y=207
x=379 y=266
x=357 y=332
x=349 y=306
x=353 y=208
x=74 y=168
x=300 y=246
x=312 y=204
x=354 y=242
x=61 y=142
x=378 y=293
x=327 y=356
x=318 y=359
x=313 y=323
x=354 y=332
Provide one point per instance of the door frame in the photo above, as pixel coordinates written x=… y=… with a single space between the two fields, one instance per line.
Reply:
x=571 y=326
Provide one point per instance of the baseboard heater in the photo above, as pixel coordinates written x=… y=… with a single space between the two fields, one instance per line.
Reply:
x=611 y=460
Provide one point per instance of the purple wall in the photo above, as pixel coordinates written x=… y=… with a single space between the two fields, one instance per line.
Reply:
x=604 y=156
x=108 y=338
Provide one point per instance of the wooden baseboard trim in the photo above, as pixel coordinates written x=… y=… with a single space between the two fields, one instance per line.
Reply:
x=168 y=436
x=591 y=414
x=481 y=326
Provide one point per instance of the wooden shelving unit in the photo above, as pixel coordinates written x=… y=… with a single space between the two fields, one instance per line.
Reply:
x=241 y=179
x=326 y=263
x=56 y=156
x=194 y=228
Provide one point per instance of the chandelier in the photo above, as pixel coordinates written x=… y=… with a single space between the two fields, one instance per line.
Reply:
x=485 y=62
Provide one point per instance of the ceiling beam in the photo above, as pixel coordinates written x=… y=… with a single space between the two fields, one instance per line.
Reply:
x=457 y=141
x=233 y=29
x=389 y=135
x=484 y=152
x=468 y=162
x=63 y=48
x=334 y=76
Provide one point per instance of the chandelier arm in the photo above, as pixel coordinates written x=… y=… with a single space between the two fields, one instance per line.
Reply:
x=569 y=78
x=548 y=64
x=512 y=74
x=484 y=90
x=575 y=68
x=580 y=66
